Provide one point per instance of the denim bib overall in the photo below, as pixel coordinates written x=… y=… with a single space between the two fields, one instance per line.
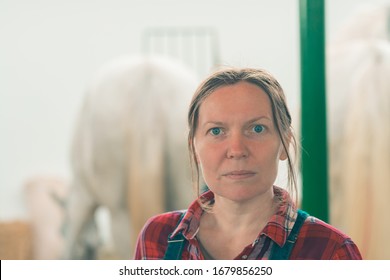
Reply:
x=176 y=244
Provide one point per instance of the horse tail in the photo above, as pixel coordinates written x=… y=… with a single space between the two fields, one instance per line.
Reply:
x=146 y=187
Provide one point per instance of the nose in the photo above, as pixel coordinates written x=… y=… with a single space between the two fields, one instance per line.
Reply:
x=237 y=148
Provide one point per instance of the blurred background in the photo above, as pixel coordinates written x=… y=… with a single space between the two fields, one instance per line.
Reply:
x=61 y=61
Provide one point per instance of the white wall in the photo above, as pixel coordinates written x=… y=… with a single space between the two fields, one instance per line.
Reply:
x=49 y=50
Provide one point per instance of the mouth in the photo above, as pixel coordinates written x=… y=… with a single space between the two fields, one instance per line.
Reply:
x=239 y=174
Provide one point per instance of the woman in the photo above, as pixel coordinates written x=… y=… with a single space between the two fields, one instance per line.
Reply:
x=240 y=128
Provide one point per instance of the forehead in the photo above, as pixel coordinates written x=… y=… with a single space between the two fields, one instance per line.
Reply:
x=240 y=100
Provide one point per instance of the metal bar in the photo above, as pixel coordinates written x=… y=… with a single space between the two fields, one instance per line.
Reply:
x=313 y=111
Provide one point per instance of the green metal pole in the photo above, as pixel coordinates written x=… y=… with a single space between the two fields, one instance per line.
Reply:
x=313 y=109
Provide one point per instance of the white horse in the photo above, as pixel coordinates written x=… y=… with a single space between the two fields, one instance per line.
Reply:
x=129 y=151
x=359 y=122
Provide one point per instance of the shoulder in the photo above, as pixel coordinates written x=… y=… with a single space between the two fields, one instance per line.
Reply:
x=315 y=227
x=153 y=238
x=320 y=240
x=168 y=219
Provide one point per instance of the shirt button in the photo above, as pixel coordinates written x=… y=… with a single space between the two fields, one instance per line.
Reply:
x=244 y=257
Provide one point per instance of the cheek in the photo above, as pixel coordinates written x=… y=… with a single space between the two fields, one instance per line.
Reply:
x=274 y=154
x=206 y=155
x=203 y=157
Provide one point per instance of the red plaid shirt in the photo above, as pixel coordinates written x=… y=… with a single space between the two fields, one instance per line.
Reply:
x=317 y=240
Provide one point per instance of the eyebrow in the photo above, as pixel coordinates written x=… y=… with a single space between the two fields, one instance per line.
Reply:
x=250 y=121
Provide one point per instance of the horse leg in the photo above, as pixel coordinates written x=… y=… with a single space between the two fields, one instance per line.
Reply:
x=122 y=233
x=80 y=229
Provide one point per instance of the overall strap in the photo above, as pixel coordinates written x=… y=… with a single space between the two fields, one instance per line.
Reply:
x=175 y=244
x=283 y=253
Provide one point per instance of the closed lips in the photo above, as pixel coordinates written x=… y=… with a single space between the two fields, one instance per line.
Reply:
x=239 y=173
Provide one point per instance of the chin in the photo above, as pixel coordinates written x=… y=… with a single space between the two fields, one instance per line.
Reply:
x=240 y=193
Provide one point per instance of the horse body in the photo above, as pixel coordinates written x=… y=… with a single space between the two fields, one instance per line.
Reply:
x=359 y=101
x=129 y=152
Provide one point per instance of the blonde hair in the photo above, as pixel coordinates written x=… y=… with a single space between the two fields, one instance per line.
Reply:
x=280 y=113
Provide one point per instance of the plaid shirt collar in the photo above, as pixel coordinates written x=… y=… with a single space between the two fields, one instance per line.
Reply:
x=278 y=228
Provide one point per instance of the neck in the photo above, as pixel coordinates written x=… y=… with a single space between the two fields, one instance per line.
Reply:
x=238 y=215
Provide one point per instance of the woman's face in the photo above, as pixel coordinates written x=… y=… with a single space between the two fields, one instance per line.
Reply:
x=236 y=143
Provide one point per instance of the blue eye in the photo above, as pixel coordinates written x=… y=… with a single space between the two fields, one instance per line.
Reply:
x=215 y=131
x=258 y=128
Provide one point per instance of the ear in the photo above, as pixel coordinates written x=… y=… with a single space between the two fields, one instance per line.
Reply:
x=193 y=149
x=284 y=153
